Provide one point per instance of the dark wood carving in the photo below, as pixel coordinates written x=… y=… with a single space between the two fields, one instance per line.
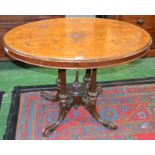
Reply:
x=75 y=95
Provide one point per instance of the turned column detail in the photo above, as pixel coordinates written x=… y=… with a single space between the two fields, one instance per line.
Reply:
x=75 y=95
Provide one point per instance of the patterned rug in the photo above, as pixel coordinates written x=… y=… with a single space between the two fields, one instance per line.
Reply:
x=132 y=107
x=1 y=96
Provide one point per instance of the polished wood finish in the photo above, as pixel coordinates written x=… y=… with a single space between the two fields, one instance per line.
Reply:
x=75 y=95
x=8 y=22
x=77 y=43
x=93 y=81
x=144 y=21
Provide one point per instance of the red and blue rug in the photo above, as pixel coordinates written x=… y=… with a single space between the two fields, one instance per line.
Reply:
x=132 y=107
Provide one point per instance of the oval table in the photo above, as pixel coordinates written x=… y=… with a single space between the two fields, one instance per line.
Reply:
x=76 y=43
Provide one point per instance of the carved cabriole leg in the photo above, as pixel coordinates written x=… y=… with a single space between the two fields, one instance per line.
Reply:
x=64 y=103
x=62 y=114
x=90 y=103
x=92 y=110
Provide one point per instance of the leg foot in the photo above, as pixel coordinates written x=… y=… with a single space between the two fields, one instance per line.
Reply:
x=92 y=110
x=89 y=102
x=62 y=114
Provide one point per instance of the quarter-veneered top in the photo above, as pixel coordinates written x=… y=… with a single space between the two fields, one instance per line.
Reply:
x=76 y=42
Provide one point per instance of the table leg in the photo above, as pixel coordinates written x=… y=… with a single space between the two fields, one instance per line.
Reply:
x=64 y=104
x=87 y=78
x=90 y=103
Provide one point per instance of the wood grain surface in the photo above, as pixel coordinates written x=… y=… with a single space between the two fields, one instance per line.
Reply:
x=77 y=42
x=8 y=22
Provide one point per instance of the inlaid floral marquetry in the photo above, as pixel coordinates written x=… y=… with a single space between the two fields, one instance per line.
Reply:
x=76 y=39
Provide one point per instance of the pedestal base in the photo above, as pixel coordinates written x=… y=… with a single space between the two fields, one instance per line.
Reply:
x=75 y=95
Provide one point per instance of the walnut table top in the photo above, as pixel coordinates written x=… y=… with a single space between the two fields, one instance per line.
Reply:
x=76 y=43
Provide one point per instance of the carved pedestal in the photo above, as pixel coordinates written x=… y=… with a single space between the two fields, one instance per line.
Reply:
x=75 y=95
